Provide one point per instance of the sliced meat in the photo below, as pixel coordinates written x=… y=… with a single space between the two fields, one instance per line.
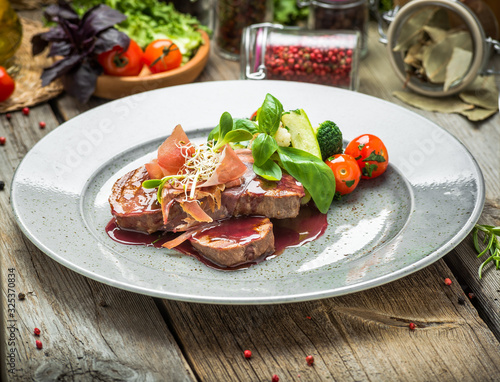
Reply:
x=137 y=209
x=133 y=206
x=278 y=200
x=235 y=241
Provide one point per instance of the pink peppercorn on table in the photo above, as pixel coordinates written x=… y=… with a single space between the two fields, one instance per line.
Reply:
x=440 y=323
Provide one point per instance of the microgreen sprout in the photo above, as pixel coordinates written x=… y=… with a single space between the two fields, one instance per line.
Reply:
x=492 y=243
x=198 y=168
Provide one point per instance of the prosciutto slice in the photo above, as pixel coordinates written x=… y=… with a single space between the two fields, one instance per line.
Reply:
x=230 y=168
x=172 y=152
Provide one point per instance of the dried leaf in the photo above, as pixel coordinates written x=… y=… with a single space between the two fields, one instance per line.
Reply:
x=412 y=55
x=457 y=66
x=412 y=31
x=438 y=55
x=443 y=105
x=435 y=34
x=482 y=92
x=478 y=114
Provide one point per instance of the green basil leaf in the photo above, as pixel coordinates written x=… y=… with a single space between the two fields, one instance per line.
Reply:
x=262 y=148
x=214 y=134
x=374 y=157
x=245 y=124
x=151 y=183
x=269 y=115
x=234 y=136
x=238 y=136
x=312 y=172
x=226 y=124
x=269 y=170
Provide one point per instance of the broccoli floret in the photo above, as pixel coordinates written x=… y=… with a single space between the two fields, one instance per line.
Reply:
x=329 y=139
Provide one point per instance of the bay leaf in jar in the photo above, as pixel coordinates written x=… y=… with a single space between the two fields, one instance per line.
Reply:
x=412 y=31
x=457 y=67
x=436 y=58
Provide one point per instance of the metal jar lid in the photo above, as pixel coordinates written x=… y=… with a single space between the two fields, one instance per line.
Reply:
x=481 y=46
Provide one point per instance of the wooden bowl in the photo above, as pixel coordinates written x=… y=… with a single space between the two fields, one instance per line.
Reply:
x=113 y=87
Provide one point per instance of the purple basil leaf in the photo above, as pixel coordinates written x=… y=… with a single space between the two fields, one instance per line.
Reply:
x=40 y=41
x=59 y=11
x=99 y=18
x=60 y=68
x=38 y=44
x=60 y=48
x=110 y=38
x=81 y=81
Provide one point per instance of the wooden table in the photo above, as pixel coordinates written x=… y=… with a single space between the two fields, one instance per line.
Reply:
x=91 y=331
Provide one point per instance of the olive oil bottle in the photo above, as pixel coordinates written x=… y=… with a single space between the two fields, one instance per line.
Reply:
x=10 y=32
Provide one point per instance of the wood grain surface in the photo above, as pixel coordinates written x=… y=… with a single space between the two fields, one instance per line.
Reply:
x=91 y=331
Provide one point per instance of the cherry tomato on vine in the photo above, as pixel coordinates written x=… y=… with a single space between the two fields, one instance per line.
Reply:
x=7 y=85
x=162 y=55
x=370 y=153
x=115 y=62
x=346 y=171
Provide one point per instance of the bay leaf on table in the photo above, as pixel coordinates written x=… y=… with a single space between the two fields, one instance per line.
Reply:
x=457 y=66
x=478 y=114
x=482 y=92
x=443 y=105
x=437 y=56
x=412 y=30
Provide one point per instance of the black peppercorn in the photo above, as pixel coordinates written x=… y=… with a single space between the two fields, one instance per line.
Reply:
x=2 y=185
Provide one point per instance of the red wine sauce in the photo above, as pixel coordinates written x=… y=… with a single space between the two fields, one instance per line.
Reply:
x=309 y=225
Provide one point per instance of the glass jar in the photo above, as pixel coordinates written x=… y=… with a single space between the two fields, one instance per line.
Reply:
x=274 y=52
x=339 y=15
x=430 y=67
x=234 y=15
x=10 y=32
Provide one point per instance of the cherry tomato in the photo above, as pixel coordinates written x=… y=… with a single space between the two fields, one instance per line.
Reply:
x=162 y=55
x=370 y=153
x=346 y=171
x=7 y=85
x=254 y=116
x=117 y=63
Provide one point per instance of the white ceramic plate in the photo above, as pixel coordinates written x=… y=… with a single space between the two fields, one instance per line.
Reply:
x=424 y=205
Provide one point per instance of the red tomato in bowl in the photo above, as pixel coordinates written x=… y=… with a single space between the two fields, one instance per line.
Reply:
x=346 y=171
x=370 y=153
x=162 y=55
x=7 y=85
x=115 y=62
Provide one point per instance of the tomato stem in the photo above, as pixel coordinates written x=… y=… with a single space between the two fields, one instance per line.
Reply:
x=166 y=52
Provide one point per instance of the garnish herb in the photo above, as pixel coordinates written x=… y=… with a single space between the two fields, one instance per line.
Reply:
x=309 y=170
x=492 y=243
x=368 y=169
x=349 y=183
x=78 y=41
x=360 y=147
x=374 y=157
x=312 y=172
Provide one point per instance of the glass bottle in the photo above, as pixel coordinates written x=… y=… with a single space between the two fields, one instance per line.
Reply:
x=10 y=32
x=276 y=52
x=339 y=15
x=234 y=15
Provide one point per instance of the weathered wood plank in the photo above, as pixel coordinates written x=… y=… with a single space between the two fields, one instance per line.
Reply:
x=89 y=330
x=359 y=337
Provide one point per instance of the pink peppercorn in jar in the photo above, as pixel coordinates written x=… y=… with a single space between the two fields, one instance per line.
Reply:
x=339 y=15
x=234 y=15
x=274 y=52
